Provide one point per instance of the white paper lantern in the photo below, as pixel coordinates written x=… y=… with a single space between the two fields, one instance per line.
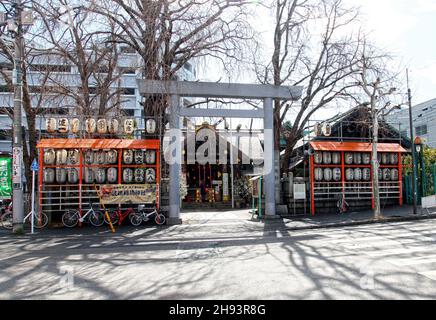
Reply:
x=139 y=175
x=357 y=174
x=393 y=158
x=89 y=157
x=51 y=125
x=337 y=174
x=73 y=176
x=49 y=156
x=101 y=126
x=357 y=158
x=327 y=157
x=49 y=175
x=127 y=175
x=128 y=156
x=139 y=156
x=89 y=176
x=386 y=174
x=112 y=156
x=318 y=173
x=90 y=125
x=129 y=126
x=61 y=175
x=366 y=158
x=112 y=176
x=394 y=175
x=100 y=175
x=75 y=125
x=73 y=156
x=61 y=156
x=317 y=158
x=385 y=158
x=150 y=175
x=63 y=125
x=113 y=126
x=366 y=174
x=150 y=126
x=380 y=174
x=349 y=158
x=100 y=157
x=349 y=174
x=336 y=157
x=328 y=174
x=150 y=156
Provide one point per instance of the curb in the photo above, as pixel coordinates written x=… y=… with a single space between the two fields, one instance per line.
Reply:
x=362 y=222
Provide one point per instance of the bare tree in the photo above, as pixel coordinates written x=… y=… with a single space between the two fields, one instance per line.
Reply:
x=322 y=61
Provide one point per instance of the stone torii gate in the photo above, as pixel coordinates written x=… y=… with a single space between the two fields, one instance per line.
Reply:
x=178 y=89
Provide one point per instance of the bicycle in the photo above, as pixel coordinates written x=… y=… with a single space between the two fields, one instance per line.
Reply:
x=143 y=216
x=71 y=218
x=117 y=216
x=342 y=204
x=40 y=220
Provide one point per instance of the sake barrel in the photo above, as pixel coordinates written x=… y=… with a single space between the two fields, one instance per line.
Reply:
x=366 y=174
x=75 y=125
x=49 y=175
x=113 y=126
x=394 y=175
x=150 y=126
x=357 y=174
x=63 y=125
x=51 y=125
x=127 y=175
x=317 y=158
x=128 y=156
x=49 y=156
x=139 y=156
x=349 y=174
x=150 y=156
x=349 y=158
x=386 y=174
x=89 y=157
x=328 y=174
x=100 y=175
x=139 y=175
x=101 y=126
x=112 y=156
x=318 y=173
x=61 y=175
x=90 y=125
x=112 y=176
x=337 y=174
x=73 y=156
x=61 y=156
x=150 y=175
x=73 y=176
x=129 y=126
x=366 y=158
x=357 y=158
x=393 y=158
x=336 y=157
x=327 y=157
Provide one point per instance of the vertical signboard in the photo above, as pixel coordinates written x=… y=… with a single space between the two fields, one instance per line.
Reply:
x=5 y=178
x=17 y=157
x=226 y=195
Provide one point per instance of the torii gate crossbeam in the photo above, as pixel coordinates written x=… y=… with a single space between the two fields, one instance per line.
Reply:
x=178 y=89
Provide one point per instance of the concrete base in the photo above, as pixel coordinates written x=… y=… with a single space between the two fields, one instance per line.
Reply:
x=281 y=209
x=274 y=217
x=173 y=221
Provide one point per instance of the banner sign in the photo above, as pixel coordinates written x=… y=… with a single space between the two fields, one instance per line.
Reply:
x=128 y=193
x=5 y=177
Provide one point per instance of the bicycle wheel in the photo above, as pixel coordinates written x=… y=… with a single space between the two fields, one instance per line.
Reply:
x=70 y=218
x=40 y=220
x=7 y=221
x=96 y=218
x=159 y=219
x=113 y=215
x=135 y=219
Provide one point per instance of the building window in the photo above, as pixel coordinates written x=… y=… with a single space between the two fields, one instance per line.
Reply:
x=50 y=68
x=128 y=91
x=125 y=70
x=4 y=88
x=128 y=112
x=421 y=130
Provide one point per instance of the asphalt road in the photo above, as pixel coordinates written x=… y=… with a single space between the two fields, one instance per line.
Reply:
x=222 y=259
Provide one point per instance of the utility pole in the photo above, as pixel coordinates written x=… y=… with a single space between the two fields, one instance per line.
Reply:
x=17 y=196
x=412 y=139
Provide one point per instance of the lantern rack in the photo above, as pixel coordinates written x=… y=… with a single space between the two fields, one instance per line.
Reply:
x=344 y=184
x=57 y=196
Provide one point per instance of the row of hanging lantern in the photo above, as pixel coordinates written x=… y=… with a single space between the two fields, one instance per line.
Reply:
x=98 y=175
x=98 y=157
x=100 y=126
x=353 y=174
x=327 y=157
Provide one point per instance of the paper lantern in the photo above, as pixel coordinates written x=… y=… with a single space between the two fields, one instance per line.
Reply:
x=139 y=175
x=129 y=126
x=128 y=156
x=150 y=175
x=100 y=175
x=90 y=125
x=357 y=158
x=366 y=174
x=73 y=156
x=89 y=157
x=112 y=175
x=349 y=158
x=61 y=156
x=366 y=158
x=101 y=126
x=386 y=174
x=150 y=157
x=349 y=174
x=393 y=158
x=88 y=175
x=49 y=156
x=112 y=156
x=326 y=157
x=357 y=174
x=61 y=175
x=318 y=157
x=127 y=175
x=328 y=174
x=336 y=158
x=150 y=126
x=51 y=125
x=337 y=174
x=385 y=158
x=319 y=173
x=73 y=176
x=75 y=125
x=63 y=125
x=394 y=175
x=139 y=156
x=49 y=175
x=113 y=126
x=100 y=157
